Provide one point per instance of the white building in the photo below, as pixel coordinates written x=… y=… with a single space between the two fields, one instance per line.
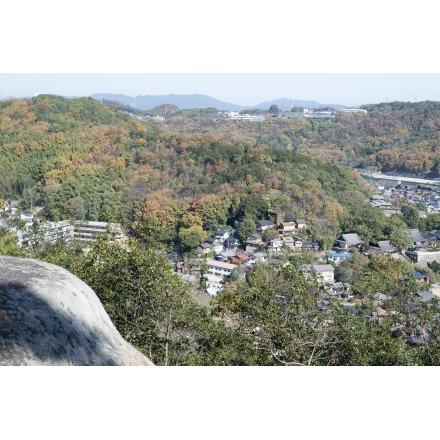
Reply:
x=44 y=231
x=220 y=268
x=89 y=230
x=324 y=272
x=214 y=284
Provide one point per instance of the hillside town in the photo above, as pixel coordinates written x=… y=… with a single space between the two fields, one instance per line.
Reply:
x=215 y=261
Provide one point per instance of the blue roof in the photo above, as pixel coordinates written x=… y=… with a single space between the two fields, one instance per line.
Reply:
x=226 y=254
x=340 y=254
x=417 y=274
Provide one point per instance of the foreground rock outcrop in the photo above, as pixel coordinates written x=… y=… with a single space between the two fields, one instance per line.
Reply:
x=50 y=317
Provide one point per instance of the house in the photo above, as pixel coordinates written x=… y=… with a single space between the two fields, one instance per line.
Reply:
x=378 y=201
x=324 y=272
x=342 y=290
x=277 y=214
x=204 y=248
x=254 y=243
x=276 y=244
x=348 y=241
x=214 y=284
x=423 y=257
x=286 y=227
x=231 y=243
x=420 y=277
x=257 y=256
x=190 y=267
x=239 y=259
x=383 y=247
x=222 y=234
x=297 y=244
x=27 y=216
x=417 y=238
x=310 y=246
x=301 y=224
x=263 y=225
x=224 y=256
x=425 y=295
x=432 y=238
x=216 y=244
x=220 y=268
x=338 y=257
x=289 y=242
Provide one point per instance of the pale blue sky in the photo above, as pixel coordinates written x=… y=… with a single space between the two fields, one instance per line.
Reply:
x=345 y=43
x=238 y=88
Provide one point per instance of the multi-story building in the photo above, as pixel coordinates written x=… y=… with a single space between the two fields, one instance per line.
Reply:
x=90 y=230
x=219 y=268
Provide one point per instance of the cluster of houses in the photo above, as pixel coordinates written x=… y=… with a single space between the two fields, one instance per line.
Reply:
x=386 y=198
x=425 y=248
x=287 y=237
x=26 y=227
x=223 y=252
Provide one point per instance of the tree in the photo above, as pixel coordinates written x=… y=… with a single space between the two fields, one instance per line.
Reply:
x=273 y=110
x=148 y=304
x=190 y=238
x=75 y=208
x=245 y=228
x=410 y=215
x=435 y=266
x=213 y=210
x=8 y=243
x=157 y=220
x=401 y=240
x=275 y=310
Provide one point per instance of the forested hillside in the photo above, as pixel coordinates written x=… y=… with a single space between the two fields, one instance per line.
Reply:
x=391 y=136
x=79 y=159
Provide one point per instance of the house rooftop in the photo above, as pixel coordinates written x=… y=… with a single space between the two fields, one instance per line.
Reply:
x=265 y=223
x=416 y=236
x=288 y=225
x=386 y=246
x=254 y=237
x=220 y=264
x=352 y=239
x=425 y=295
x=322 y=268
x=205 y=246
x=242 y=257
x=288 y=240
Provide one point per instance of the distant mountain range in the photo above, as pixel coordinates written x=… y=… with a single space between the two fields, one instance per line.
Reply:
x=148 y=102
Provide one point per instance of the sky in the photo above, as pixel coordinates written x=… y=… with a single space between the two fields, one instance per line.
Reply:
x=240 y=52
x=349 y=89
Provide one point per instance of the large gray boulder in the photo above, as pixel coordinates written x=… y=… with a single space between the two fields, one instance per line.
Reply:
x=50 y=317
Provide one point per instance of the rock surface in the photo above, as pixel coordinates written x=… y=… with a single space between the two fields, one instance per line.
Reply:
x=50 y=317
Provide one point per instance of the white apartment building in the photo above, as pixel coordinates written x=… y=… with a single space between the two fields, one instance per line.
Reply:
x=90 y=230
x=220 y=269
